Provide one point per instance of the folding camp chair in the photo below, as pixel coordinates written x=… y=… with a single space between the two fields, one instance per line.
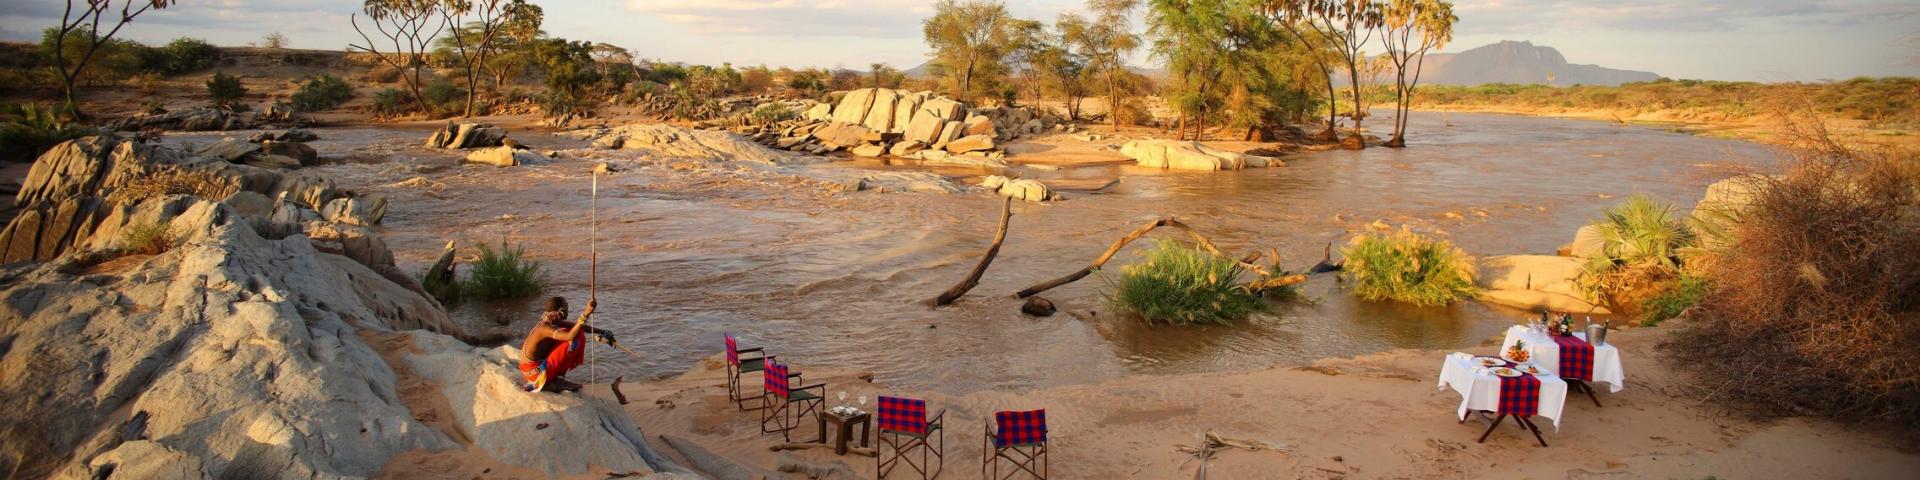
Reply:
x=905 y=427
x=1021 y=439
x=737 y=366
x=783 y=405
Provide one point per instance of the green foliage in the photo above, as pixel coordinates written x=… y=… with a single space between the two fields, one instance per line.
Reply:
x=505 y=273
x=448 y=292
x=1887 y=101
x=225 y=89
x=1229 y=63
x=1643 y=242
x=771 y=112
x=972 y=41
x=114 y=61
x=443 y=96
x=1182 y=285
x=389 y=102
x=184 y=55
x=34 y=129
x=1683 y=294
x=146 y=239
x=1404 y=266
x=809 y=81
x=322 y=93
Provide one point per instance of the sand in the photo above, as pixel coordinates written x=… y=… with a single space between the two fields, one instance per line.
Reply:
x=1378 y=416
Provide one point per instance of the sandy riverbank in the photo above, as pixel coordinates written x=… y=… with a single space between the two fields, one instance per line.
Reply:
x=1760 y=128
x=1376 y=416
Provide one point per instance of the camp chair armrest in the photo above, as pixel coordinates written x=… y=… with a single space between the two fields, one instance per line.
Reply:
x=938 y=418
x=821 y=386
x=747 y=350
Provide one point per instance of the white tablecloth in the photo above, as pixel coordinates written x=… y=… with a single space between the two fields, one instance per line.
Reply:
x=1480 y=390
x=1546 y=354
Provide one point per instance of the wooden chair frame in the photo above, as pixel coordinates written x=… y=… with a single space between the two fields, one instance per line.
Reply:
x=783 y=413
x=905 y=443
x=1027 y=456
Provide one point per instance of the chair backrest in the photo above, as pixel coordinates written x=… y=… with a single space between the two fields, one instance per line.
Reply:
x=1020 y=428
x=903 y=415
x=777 y=379
x=733 y=351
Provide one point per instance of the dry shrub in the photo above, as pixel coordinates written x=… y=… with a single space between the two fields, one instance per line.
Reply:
x=1813 y=305
x=173 y=182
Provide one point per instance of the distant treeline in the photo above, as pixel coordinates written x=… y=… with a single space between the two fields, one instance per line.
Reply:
x=1889 y=101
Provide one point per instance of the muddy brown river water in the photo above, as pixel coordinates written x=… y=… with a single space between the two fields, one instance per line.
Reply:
x=840 y=279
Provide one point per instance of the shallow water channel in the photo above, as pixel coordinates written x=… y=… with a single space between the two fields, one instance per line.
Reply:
x=840 y=279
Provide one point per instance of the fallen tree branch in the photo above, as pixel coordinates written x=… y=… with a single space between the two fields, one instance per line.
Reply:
x=807 y=446
x=1266 y=281
x=973 y=278
x=1213 y=442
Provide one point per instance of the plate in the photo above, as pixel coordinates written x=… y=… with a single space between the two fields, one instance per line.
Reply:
x=1533 y=369
x=1490 y=362
x=1506 y=372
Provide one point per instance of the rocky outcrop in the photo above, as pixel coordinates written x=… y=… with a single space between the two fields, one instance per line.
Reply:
x=466 y=135
x=191 y=120
x=1191 y=156
x=1020 y=189
x=248 y=349
x=678 y=142
x=504 y=156
x=873 y=122
x=1534 y=282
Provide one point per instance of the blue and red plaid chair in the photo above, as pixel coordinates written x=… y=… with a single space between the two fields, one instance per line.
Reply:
x=1021 y=439
x=737 y=366
x=905 y=426
x=783 y=405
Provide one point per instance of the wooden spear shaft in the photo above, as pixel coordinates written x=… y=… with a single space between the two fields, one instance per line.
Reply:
x=593 y=263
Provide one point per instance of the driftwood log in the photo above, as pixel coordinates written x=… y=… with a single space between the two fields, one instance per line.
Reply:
x=973 y=278
x=1266 y=281
x=779 y=447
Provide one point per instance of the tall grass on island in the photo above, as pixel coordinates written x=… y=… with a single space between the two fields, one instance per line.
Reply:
x=1182 y=285
x=1406 y=267
x=1814 y=307
x=1643 y=245
x=34 y=129
x=504 y=272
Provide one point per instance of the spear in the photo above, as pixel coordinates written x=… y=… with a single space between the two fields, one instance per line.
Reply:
x=593 y=262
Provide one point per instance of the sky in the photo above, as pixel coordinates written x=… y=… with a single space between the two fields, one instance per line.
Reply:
x=1760 y=40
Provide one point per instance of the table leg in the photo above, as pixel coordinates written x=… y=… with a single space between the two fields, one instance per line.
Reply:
x=840 y=444
x=1496 y=424
x=1582 y=386
x=866 y=431
x=823 y=427
x=1535 y=428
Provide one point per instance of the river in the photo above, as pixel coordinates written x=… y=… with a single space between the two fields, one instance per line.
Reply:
x=841 y=279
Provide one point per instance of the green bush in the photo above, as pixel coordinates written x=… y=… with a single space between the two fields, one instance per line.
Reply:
x=447 y=292
x=1407 y=267
x=1181 y=285
x=34 y=129
x=505 y=273
x=1643 y=241
x=225 y=89
x=443 y=96
x=389 y=102
x=1683 y=294
x=322 y=93
x=771 y=112
x=184 y=55
x=146 y=239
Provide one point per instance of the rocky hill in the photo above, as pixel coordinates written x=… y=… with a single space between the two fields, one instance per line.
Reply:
x=1520 y=63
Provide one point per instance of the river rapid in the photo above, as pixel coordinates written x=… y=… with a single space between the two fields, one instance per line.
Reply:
x=841 y=279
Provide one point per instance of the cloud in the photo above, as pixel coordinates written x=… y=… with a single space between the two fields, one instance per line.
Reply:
x=870 y=18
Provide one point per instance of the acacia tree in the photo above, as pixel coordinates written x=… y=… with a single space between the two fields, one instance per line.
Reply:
x=490 y=19
x=410 y=25
x=1058 y=67
x=1105 y=43
x=971 y=40
x=1294 y=16
x=89 y=19
x=1411 y=28
x=1347 y=26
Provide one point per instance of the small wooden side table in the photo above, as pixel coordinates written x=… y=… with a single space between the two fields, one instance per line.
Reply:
x=845 y=426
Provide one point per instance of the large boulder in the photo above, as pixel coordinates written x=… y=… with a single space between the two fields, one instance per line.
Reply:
x=298 y=151
x=945 y=109
x=904 y=110
x=819 y=112
x=1193 y=156
x=924 y=128
x=970 y=143
x=949 y=132
x=842 y=135
x=504 y=156
x=1587 y=243
x=1534 y=282
x=978 y=125
x=1721 y=207
x=880 y=114
x=1020 y=188
x=466 y=135
x=853 y=107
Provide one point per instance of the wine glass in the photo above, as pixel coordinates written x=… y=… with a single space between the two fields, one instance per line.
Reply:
x=843 y=397
x=863 y=402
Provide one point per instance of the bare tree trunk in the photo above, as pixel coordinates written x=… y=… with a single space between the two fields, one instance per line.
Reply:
x=1359 y=140
x=973 y=278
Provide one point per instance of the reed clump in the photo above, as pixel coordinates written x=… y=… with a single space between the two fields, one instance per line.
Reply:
x=1182 y=285
x=1406 y=267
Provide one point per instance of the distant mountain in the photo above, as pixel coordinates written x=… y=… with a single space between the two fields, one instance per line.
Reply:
x=1521 y=63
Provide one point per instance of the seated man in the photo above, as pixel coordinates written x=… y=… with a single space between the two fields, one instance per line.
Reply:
x=556 y=346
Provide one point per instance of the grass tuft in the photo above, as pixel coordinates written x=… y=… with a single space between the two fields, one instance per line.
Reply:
x=205 y=185
x=146 y=239
x=505 y=272
x=1182 y=285
x=1406 y=267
